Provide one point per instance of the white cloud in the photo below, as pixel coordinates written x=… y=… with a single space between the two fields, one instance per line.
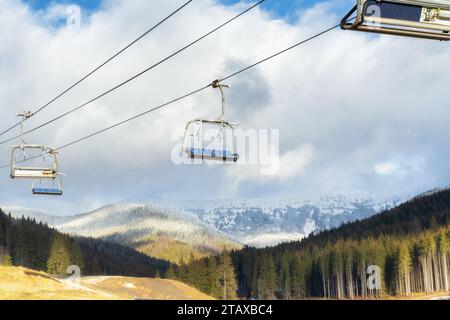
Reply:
x=386 y=168
x=294 y=162
x=291 y=164
x=358 y=99
x=400 y=168
x=277 y=168
x=56 y=13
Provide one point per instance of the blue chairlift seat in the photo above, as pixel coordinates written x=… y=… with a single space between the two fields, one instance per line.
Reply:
x=47 y=191
x=212 y=154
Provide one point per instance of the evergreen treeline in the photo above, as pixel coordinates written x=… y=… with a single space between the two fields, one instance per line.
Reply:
x=414 y=263
x=26 y=243
x=412 y=217
x=410 y=246
x=213 y=275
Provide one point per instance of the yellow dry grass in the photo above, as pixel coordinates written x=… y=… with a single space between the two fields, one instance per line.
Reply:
x=145 y=288
x=23 y=284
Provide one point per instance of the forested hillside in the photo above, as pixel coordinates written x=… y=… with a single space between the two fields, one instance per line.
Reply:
x=410 y=244
x=23 y=242
x=412 y=217
x=214 y=275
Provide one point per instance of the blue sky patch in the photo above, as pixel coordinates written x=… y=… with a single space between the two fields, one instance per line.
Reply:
x=89 y=5
x=280 y=8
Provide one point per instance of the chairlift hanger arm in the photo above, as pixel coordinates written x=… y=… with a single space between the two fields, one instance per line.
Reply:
x=25 y=115
x=217 y=85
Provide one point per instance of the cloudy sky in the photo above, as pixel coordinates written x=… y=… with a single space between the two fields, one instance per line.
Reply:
x=354 y=111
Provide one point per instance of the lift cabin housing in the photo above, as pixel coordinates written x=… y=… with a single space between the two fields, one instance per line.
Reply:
x=408 y=18
x=33 y=172
x=224 y=153
x=196 y=152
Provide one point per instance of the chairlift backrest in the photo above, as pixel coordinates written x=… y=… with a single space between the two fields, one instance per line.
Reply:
x=49 y=171
x=410 y=18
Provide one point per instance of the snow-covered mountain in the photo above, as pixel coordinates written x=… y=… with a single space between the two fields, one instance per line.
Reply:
x=431 y=192
x=164 y=229
x=270 y=222
x=142 y=220
x=161 y=232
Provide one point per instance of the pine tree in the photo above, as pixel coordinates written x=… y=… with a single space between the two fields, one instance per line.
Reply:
x=170 y=274
x=270 y=277
x=182 y=273
x=403 y=270
x=323 y=265
x=298 y=278
x=59 y=259
x=2 y=234
x=285 y=276
x=76 y=255
x=257 y=290
x=227 y=277
x=443 y=250
x=213 y=275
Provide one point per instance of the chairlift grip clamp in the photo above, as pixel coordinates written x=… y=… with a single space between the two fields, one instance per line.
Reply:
x=216 y=84
x=25 y=114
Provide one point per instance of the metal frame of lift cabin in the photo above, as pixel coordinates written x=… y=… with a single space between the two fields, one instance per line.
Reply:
x=409 y=18
x=207 y=154
x=33 y=172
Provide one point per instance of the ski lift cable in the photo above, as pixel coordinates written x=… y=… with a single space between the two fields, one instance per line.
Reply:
x=187 y=94
x=280 y=53
x=135 y=76
x=101 y=65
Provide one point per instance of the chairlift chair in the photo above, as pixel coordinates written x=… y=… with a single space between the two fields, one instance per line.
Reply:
x=20 y=155
x=223 y=154
x=33 y=172
x=410 y=18
x=210 y=153
x=55 y=189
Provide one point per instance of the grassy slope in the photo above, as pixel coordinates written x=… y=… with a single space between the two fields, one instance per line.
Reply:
x=137 y=288
x=23 y=284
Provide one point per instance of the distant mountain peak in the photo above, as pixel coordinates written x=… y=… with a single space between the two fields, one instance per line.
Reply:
x=262 y=222
x=257 y=222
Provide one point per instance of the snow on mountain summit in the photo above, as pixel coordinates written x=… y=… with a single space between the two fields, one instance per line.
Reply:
x=255 y=222
x=262 y=222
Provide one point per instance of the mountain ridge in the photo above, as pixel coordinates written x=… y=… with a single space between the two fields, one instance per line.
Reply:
x=254 y=222
x=408 y=246
x=159 y=232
